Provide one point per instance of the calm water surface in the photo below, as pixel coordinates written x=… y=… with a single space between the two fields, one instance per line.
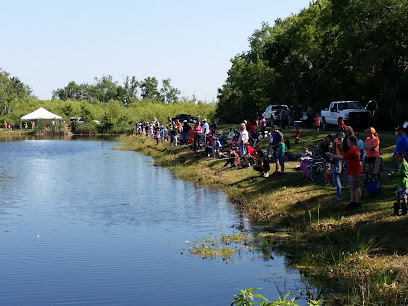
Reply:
x=81 y=223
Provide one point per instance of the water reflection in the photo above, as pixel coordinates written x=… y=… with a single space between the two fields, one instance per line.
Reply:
x=82 y=223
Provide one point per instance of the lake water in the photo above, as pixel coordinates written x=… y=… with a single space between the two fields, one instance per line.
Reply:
x=81 y=223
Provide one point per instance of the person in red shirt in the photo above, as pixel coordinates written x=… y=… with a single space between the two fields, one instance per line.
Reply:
x=317 y=123
x=297 y=135
x=250 y=156
x=342 y=125
x=354 y=169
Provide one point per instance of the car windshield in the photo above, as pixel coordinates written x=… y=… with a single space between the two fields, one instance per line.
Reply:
x=349 y=105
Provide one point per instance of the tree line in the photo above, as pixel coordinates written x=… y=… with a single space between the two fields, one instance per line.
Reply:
x=332 y=50
x=116 y=106
x=105 y=89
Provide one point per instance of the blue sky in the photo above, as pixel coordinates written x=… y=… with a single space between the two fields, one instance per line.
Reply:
x=48 y=43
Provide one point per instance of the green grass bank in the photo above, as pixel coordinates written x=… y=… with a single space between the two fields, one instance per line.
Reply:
x=360 y=255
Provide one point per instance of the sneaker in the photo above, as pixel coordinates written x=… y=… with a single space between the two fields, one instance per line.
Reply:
x=338 y=199
x=350 y=206
x=266 y=174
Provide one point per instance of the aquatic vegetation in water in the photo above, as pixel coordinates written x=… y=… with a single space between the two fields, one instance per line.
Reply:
x=246 y=298
x=225 y=246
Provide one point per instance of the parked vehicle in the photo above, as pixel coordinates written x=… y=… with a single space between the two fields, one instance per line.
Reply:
x=183 y=117
x=351 y=112
x=78 y=120
x=272 y=112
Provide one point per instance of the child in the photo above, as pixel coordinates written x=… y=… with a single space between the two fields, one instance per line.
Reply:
x=341 y=123
x=297 y=135
x=216 y=146
x=157 y=136
x=233 y=159
x=354 y=169
x=262 y=165
x=402 y=185
x=317 y=123
x=280 y=159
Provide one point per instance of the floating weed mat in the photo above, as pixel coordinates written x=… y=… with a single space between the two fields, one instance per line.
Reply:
x=225 y=246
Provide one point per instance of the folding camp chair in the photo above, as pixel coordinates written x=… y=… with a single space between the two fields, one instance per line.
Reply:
x=372 y=181
x=315 y=171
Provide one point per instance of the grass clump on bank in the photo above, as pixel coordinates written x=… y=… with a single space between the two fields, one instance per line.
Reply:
x=363 y=252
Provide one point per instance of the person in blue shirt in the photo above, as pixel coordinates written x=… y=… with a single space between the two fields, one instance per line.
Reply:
x=402 y=141
x=274 y=142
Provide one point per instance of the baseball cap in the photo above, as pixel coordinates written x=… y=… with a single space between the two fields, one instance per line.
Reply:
x=274 y=126
x=371 y=130
x=399 y=128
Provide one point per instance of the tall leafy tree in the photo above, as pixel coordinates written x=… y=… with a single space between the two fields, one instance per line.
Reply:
x=168 y=93
x=149 y=88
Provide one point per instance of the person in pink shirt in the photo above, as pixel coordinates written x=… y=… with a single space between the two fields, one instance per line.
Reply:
x=372 y=148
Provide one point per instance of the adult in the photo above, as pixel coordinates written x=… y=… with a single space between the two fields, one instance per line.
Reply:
x=186 y=129
x=197 y=136
x=354 y=171
x=372 y=148
x=291 y=114
x=336 y=167
x=283 y=118
x=262 y=125
x=274 y=141
x=402 y=141
x=242 y=139
x=348 y=131
x=205 y=130
x=310 y=116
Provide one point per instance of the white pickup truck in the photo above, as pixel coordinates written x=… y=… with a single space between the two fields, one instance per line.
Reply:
x=351 y=112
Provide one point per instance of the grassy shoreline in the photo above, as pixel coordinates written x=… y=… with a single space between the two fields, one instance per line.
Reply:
x=362 y=252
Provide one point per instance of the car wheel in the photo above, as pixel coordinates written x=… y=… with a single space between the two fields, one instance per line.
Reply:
x=324 y=124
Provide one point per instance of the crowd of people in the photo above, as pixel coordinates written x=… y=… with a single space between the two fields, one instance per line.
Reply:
x=23 y=125
x=345 y=154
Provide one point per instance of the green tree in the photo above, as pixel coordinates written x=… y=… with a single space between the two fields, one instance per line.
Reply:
x=169 y=94
x=131 y=87
x=149 y=89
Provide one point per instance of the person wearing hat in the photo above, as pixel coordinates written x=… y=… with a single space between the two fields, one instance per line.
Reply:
x=243 y=139
x=205 y=130
x=372 y=148
x=402 y=185
x=186 y=129
x=402 y=141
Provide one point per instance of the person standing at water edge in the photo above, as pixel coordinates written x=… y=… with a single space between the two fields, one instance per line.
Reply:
x=205 y=130
x=243 y=139
x=372 y=148
x=354 y=171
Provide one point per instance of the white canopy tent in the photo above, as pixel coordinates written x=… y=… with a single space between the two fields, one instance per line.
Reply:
x=41 y=113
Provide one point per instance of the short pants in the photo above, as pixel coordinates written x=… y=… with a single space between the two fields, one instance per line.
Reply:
x=370 y=160
x=401 y=193
x=354 y=181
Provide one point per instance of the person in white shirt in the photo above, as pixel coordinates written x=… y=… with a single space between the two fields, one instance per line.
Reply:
x=205 y=130
x=243 y=139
